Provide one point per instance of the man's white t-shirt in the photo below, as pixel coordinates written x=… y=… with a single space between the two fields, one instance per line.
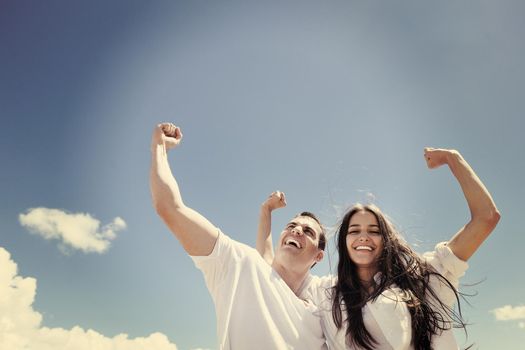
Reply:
x=255 y=308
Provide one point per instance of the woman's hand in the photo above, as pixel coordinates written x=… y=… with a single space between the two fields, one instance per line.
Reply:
x=436 y=157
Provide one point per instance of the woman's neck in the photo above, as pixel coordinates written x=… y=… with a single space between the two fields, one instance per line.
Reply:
x=366 y=276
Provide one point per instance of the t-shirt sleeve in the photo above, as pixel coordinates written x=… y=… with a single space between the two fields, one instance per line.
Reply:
x=318 y=289
x=448 y=265
x=216 y=265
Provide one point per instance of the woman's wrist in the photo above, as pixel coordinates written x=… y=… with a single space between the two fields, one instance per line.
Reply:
x=453 y=157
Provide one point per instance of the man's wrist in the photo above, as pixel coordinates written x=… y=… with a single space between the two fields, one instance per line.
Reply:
x=266 y=209
x=158 y=148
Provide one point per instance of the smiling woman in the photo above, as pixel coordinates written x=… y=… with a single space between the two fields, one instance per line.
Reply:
x=375 y=262
x=376 y=266
x=364 y=243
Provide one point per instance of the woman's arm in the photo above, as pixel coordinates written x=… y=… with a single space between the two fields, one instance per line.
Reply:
x=483 y=211
x=264 y=235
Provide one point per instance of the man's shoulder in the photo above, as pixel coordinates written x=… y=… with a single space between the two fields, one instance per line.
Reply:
x=237 y=250
x=323 y=281
x=229 y=258
x=225 y=248
x=315 y=285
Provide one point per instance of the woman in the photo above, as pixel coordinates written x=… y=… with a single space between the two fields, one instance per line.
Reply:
x=386 y=296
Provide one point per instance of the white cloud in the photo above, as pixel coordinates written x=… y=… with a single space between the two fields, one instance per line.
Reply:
x=509 y=312
x=521 y=325
x=73 y=230
x=21 y=328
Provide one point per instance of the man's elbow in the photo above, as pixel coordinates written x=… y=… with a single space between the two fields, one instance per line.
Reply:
x=165 y=210
x=160 y=210
x=171 y=216
x=160 y=207
x=165 y=204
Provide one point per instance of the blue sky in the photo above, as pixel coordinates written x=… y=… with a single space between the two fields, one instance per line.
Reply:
x=331 y=102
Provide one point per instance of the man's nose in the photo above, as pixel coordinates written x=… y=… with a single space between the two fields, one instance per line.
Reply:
x=297 y=230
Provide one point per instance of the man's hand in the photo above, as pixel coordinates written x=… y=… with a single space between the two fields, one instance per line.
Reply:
x=166 y=134
x=436 y=157
x=274 y=201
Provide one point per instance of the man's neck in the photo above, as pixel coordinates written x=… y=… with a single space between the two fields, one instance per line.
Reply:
x=294 y=279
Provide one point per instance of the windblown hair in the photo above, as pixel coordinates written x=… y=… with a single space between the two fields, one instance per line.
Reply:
x=399 y=265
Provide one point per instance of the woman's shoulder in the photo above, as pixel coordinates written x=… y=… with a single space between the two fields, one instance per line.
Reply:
x=445 y=262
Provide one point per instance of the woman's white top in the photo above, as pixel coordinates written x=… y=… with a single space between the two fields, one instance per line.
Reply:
x=387 y=318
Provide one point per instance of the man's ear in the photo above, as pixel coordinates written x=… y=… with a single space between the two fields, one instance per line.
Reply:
x=319 y=256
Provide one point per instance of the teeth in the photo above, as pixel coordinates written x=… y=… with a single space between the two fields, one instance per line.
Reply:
x=363 y=247
x=291 y=241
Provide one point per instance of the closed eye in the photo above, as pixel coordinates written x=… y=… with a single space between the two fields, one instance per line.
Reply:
x=356 y=232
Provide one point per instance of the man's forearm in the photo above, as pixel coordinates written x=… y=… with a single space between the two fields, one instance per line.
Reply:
x=264 y=238
x=164 y=188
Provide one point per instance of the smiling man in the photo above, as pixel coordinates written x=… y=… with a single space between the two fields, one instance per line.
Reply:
x=258 y=306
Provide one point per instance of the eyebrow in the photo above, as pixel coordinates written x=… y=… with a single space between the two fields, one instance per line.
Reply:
x=357 y=225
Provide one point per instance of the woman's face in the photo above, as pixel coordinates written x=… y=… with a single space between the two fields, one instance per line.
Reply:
x=364 y=242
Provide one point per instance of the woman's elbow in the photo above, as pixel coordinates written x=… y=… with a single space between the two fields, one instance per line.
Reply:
x=491 y=219
x=495 y=217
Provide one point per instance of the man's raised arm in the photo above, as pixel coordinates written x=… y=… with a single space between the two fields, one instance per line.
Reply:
x=264 y=243
x=195 y=233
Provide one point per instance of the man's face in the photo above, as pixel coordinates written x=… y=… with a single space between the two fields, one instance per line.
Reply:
x=298 y=245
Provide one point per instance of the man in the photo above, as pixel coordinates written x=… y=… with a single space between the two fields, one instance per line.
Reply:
x=257 y=305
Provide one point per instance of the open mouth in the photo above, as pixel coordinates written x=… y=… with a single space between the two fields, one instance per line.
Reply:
x=292 y=242
x=364 y=248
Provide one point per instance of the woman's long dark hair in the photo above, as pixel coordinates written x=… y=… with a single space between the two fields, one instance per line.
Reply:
x=399 y=265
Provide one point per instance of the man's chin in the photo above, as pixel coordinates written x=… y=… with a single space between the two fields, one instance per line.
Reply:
x=290 y=248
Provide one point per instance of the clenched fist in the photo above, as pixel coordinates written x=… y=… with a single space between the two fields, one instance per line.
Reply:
x=436 y=157
x=275 y=200
x=167 y=134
